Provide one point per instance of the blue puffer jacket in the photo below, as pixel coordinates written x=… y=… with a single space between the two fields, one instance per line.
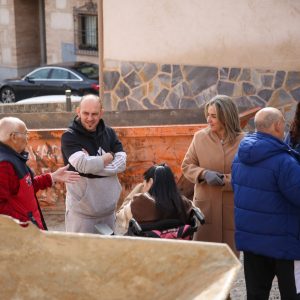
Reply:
x=266 y=184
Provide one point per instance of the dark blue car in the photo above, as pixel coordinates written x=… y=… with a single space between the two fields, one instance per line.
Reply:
x=79 y=77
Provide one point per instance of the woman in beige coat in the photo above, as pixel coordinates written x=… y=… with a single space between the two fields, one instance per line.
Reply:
x=207 y=164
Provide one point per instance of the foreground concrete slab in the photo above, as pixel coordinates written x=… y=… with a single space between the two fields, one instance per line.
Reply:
x=53 y=265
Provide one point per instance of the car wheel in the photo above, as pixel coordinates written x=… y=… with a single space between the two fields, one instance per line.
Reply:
x=7 y=95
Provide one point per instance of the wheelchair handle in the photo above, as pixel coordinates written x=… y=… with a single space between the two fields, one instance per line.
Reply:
x=199 y=215
x=135 y=225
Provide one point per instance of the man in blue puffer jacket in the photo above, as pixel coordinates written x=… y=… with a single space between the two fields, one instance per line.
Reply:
x=266 y=183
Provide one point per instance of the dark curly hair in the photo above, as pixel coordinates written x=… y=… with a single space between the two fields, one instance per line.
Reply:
x=295 y=126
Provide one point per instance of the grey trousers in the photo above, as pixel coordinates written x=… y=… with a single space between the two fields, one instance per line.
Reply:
x=85 y=224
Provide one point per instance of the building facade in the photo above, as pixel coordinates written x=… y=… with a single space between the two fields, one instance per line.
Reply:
x=166 y=54
x=37 y=32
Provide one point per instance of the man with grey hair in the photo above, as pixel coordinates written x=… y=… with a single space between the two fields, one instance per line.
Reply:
x=17 y=183
x=93 y=149
x=266 y=184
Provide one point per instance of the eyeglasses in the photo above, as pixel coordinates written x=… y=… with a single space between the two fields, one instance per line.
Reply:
x=26 y=133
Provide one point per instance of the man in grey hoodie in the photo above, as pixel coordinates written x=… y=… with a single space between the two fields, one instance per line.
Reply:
x=94 y=150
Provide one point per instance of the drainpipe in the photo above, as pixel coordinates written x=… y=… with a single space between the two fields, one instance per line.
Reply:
x=43 y=55
x=100 y=49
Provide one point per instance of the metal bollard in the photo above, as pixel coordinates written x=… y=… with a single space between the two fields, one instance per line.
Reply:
x=68 y=100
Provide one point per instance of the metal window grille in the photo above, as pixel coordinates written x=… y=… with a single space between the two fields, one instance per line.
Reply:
x=86 y=29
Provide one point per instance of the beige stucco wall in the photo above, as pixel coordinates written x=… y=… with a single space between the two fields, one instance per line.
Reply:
x=7 y=34
x=27 y=33
x=19 y=37
x=60 y=31
x=236 y=33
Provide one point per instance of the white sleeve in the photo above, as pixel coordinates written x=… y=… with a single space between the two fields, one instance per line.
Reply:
x=86 y=164
x=118 y=165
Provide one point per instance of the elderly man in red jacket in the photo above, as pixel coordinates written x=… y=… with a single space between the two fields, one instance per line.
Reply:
x=17 y=183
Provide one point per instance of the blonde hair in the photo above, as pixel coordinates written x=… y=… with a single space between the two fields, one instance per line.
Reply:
x=8 y=125
x=227 y=114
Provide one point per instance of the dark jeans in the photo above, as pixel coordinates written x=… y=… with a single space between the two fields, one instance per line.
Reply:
x=260 y=272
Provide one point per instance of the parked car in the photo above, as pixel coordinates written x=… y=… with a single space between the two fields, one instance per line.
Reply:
x=80 y=77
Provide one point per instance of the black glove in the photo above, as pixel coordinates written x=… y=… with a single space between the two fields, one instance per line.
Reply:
x=213 y=178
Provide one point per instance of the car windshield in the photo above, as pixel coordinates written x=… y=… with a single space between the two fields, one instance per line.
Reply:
x=90 y=71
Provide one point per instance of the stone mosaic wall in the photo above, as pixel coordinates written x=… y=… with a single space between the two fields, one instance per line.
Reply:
x=140 y=86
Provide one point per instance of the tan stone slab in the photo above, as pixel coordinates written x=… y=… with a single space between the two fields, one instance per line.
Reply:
x=53 y=265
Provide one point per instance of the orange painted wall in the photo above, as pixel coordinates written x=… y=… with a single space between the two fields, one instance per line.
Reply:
x=143 y=145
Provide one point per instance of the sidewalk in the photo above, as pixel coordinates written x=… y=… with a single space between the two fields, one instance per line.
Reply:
x=238 y=291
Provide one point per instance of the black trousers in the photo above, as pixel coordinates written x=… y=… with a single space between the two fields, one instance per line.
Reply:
x=260 y=272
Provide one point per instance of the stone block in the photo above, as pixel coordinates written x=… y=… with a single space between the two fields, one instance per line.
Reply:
x=280 y=98
x=107 y=103
x=265 y=94
x=234 y=73
x=296 y=94
x=166 y=68
x=267 y=80
x=6 y=55
x=133 y=80
x=147 y=103
x=4 y=16
x=148 y=72
x=225 y=88
x=165 y=79
x=110 y=78
x=248 y=88
x=187 y=103
x=224 y=73
x=154 y=88
x=122 y=90
x=51 y=265
x=159 y=100
x=243 y=103
x=279 y=79
x=257 y=101
x=139 y=92
x=134 y=105
x=126 y=68
x=176 y=75
x=292 y=80
x=245 y=75
x=172 y=101
x=122 y=105
x=61 y=4
x=186 y=90
x=59 y=20
x=200 y=78
x=138 y=65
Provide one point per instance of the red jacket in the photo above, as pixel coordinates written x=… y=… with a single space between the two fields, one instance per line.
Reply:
x=18 y=188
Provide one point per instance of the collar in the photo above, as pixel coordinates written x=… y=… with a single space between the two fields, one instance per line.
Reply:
x=6 y=149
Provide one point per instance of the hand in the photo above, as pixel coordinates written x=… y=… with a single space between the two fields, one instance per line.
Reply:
x=85 y=152
x=107 y=158
x=213 y=178
x=62 y=175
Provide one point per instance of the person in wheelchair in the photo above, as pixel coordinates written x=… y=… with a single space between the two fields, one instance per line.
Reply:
x=157 y=199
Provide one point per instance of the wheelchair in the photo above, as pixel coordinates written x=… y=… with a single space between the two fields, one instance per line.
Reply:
x=169 y=228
